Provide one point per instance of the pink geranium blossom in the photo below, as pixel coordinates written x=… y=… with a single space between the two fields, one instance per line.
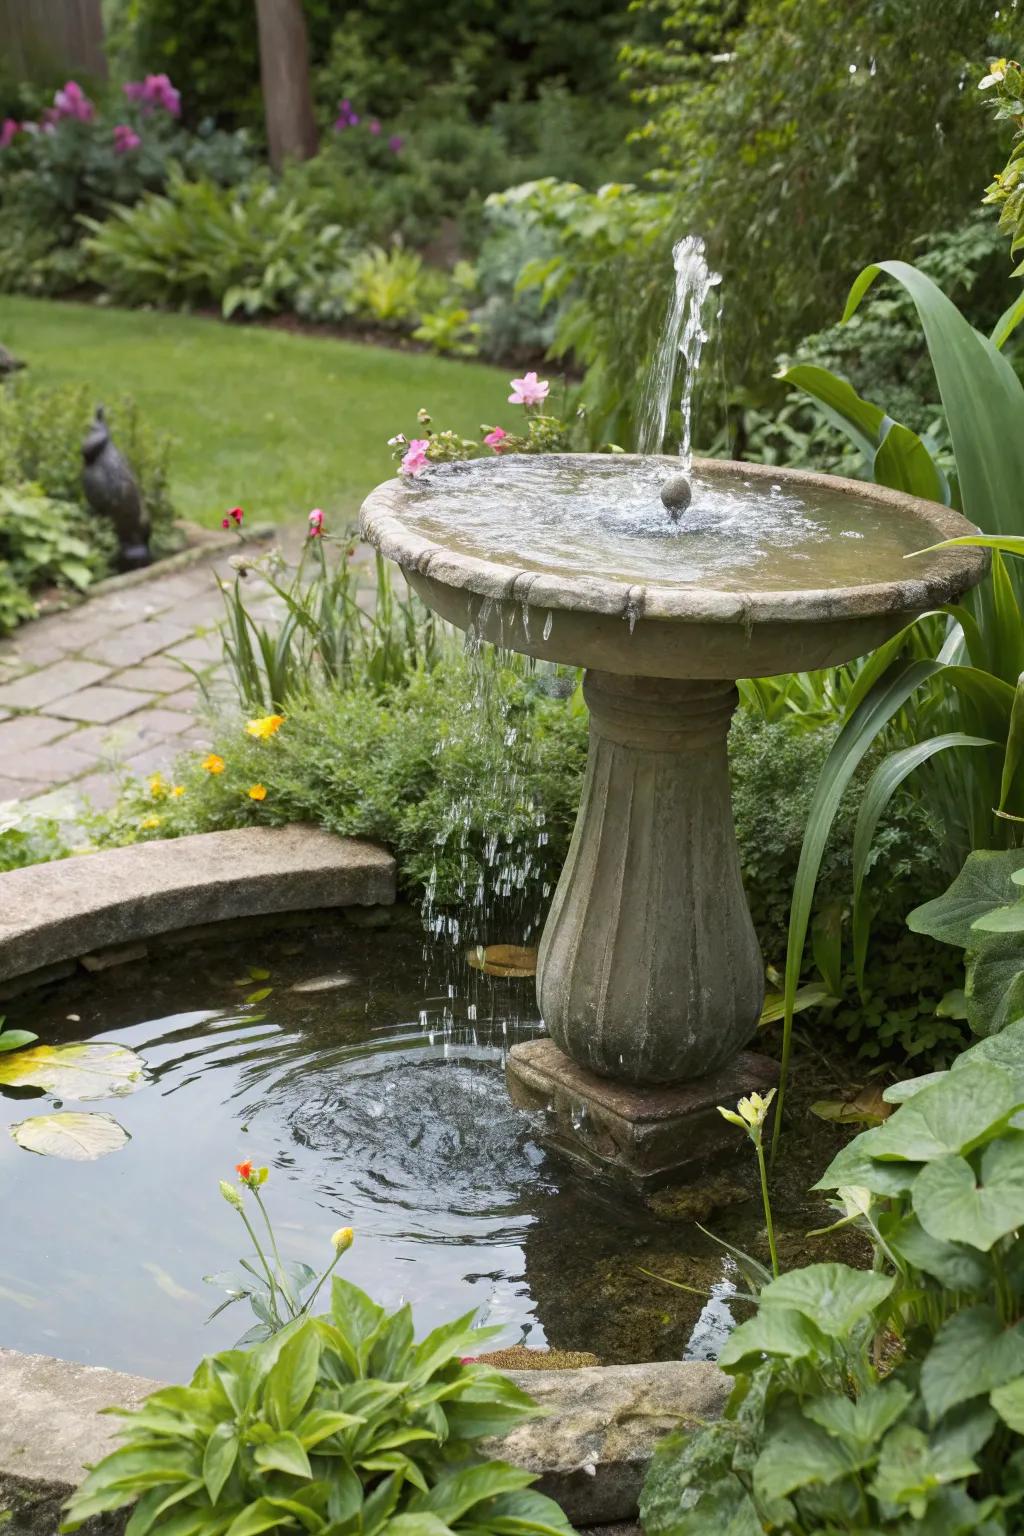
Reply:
x=495 y=437
x=155 y=91
x=529 y=390
x=125 y=139
x=414 y=461
x=316 y=523
x=72 y=101
x=8 y=129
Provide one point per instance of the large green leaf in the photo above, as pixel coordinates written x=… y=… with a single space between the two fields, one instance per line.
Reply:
x=855 y=1165
x=833 y=1296
x=458 y=1491
x=982 y=396
x=951 y=1263
x=985 y=882
x=911 y=1469
x=859 y=1423
x=92 y=1070
x=80 y=1137
x=1008 y=1401
x=797 y=1454
x=994 y=986
x=778 y=1331
x=903 y=462
x=1002 y=919
x=972 y=1353
x=841 y=404
x=1003 y=1050
x=959 y=1112
x=955 y=1206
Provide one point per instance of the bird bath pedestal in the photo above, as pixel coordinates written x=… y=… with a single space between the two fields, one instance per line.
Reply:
x=650 y=977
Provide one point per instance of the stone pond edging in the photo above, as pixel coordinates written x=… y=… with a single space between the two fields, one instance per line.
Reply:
x=591 y=1451
x=53 y=914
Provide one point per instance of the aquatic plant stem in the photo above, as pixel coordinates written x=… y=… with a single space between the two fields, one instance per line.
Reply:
x=293 y=1306
x=262 y=1258
x=766 y=1202
x=307 y=1305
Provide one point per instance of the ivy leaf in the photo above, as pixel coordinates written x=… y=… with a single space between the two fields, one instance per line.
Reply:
x=832 y=1296
x=972 y=1354
x=957 y=1206
x=955 y=1114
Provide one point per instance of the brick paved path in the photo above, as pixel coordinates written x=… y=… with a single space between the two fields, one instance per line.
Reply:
x=101 y=687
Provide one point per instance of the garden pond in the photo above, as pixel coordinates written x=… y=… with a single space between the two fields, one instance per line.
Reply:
x=364 y=1068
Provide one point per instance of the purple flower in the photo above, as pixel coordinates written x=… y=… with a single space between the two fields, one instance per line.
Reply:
x=125 y=139
x=374 y=125
x=8 y=129
x=156 y=91
x=346 y=118
x=396 y=143
x=71 y=102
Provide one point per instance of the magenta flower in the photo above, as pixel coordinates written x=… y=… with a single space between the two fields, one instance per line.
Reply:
x=374 y=125
x=8 y=129
x=346 y=118
x=414 y=461
x=316 y=523
x=495 y=437
x=125 y=139
x=156 y=91
x=529 y=390
x=396 y=143
x=73 y=102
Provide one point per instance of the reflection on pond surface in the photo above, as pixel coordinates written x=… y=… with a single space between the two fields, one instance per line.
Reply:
x=370 y=1082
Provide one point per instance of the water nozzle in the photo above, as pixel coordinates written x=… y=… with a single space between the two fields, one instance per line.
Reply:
x=676 y=496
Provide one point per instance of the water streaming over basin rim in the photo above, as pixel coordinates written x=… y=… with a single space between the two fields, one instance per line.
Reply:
x=378 y=1103
x=776 y=542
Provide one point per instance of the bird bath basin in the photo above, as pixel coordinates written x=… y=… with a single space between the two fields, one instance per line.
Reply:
x=650 y=978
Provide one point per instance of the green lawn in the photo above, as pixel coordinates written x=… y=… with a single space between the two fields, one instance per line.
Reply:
x=274 y=422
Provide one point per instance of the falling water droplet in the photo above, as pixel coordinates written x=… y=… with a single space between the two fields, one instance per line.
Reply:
x=548 y=625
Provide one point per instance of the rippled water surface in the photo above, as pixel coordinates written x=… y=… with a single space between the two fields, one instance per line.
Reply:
x=603 y=516
x=377 y=1102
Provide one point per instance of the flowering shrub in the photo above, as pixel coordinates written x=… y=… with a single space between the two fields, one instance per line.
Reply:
x=543 y=434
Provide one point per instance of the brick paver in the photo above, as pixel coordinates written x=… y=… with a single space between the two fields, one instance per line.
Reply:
x=99 y=689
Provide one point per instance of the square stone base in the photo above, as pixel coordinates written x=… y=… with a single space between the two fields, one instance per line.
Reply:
x=640 y=1137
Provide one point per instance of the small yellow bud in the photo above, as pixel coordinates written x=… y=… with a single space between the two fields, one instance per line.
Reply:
x=231 y=1194
x=342 y=1239
x=732 y=1117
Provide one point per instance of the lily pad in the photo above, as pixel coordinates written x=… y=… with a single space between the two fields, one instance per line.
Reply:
x=91 y=1070
x=503 y=960
x=80 y=1137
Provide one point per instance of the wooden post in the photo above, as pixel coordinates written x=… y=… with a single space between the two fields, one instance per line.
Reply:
x=284 y=75
x=39 y=37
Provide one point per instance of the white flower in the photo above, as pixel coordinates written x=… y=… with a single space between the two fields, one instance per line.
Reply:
x=996 y=74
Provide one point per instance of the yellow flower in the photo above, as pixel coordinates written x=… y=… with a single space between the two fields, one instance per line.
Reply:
x=257 y=792
x=750 y=1114
x=177 y=790
x=157 y=787
x=213 y=763
x=342 y=1239
x=266 y=725
x=149 y=822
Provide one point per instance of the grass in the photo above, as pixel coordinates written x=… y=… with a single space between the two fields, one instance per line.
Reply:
x=276 y=422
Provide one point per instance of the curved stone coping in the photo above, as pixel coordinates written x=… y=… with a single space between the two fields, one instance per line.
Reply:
x=948 y=574
x=590 y=1452
x=55 y=912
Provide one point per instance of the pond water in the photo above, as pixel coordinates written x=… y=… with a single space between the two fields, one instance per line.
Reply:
x=549 y=512
x=377 y=1102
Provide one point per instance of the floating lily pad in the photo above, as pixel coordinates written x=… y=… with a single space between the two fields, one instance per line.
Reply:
x=503 y=960
x=91 y=1070
x=80 y=1137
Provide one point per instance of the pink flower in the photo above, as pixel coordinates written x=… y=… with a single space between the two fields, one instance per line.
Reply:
x=396 y=143
x=529 y=390
x=236 y=515
x=73 y=102
x=415 y=459
x=374 y=125
x=495 y=437
x=125 y=139
x=155 y=91
x=316 y=523
x=8 y=129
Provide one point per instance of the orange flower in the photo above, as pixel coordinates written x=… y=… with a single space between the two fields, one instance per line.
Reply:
x=266 y=725
x=213 y=763
x=257 y=792
x=244 y=1171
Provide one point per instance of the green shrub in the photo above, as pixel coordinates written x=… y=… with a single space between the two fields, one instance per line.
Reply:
x=337 y=1424
x=43 y=543
x=249 y=247
x=891 y=1399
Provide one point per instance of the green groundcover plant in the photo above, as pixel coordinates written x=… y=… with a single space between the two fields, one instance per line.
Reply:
x=888 y=1399
x=340 y=1425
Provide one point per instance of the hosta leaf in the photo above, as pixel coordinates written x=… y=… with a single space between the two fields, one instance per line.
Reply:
x=779 y=1331
x=955 y=1206
x=78 y=1137
x=293 y=1376
x=283 y=1453
x=985 y=882
x=953 y=1115
x=832 y=1296
x=219 y=1457
x=972 y=1353
x=93 y=1070
x=457 y=1492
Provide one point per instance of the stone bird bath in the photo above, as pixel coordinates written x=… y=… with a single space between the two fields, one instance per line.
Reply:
x=650 y=978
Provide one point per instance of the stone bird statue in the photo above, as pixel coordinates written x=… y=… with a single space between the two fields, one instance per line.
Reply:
x=112 y=491
x=8 y=362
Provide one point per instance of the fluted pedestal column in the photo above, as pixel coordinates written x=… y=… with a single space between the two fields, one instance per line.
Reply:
x=650 y=973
